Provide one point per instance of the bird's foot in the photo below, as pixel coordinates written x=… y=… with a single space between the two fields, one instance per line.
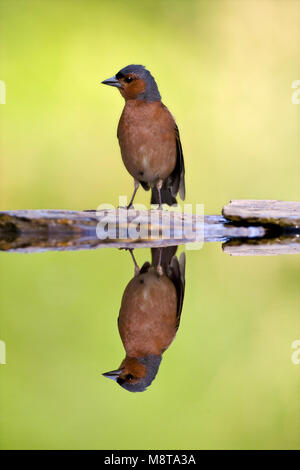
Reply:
x=156 y=207
x=136 y=270
x=130 y=206
x=159 y=270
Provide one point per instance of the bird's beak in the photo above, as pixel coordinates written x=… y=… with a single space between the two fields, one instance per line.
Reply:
x=113 y=374
x=113 y=81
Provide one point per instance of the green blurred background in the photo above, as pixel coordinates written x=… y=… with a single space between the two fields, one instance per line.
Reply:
x=225 y=69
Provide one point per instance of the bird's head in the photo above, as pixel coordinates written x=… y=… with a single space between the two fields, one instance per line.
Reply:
x=136 y=374
x=135 y=82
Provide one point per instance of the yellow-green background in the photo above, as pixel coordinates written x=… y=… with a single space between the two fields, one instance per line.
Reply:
x=225 y=69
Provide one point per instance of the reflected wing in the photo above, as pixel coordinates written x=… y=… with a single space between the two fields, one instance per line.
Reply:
x=176 y=273
x=174 y=269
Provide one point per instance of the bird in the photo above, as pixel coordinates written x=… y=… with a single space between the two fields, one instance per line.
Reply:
x=149 y=137
x=149 y=317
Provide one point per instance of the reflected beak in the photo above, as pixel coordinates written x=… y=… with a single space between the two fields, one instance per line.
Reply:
x=113 y=374
x=113 y=81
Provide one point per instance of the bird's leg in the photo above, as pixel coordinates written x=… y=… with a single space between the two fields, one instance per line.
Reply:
x=136 y=187
x=158 y=187
x=159 y=266
x=136 y=266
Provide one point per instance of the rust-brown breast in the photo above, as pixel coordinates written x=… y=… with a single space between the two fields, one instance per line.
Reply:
x=146 y=134
x=147 y=320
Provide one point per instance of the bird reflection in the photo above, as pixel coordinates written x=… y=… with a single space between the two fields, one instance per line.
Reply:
x=149 y=317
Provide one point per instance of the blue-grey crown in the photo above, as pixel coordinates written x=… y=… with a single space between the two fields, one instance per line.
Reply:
x=152 y=363
x=151 y=92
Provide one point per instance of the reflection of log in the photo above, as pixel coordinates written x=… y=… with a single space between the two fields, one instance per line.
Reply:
x=262 y=212
x=263 y=247
x=42 y=230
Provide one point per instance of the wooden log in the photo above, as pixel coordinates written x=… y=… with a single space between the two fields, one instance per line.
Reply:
x=263 y=212
x=244 y=220
x=41 y=230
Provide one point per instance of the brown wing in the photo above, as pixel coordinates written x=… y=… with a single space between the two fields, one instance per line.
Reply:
x=177 y=176
x=176 y=179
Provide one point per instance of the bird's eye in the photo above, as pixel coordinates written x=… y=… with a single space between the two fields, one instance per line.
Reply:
x=128 y=79
x=129 y=377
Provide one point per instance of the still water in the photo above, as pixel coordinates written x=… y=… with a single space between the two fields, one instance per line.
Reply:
x=211 y=340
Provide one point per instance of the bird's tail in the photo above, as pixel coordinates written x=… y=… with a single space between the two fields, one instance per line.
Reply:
x=166 y=196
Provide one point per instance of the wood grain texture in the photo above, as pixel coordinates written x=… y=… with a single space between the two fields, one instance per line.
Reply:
x=283 y=213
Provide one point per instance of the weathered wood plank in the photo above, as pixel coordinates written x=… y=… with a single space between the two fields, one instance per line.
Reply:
x=283 y=213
